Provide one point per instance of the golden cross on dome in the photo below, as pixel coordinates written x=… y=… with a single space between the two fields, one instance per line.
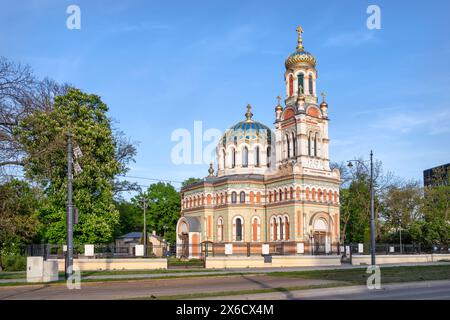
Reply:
x=249 y=113
x=278 y=98
x=300 y=40
x=323 y=95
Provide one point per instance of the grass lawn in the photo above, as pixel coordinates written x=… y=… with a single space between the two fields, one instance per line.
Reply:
x=13 y=275
x=125 y=272
x=388 y=274
x=22 y=274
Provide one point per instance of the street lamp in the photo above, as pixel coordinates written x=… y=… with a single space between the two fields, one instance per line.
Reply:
x=372 y=213
x=144 y=207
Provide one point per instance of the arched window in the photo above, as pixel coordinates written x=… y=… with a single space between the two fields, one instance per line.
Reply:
x=313 y=194
x=220 y=229
x=310 y=144
x=281 y=227
x=315 y=143
x=221 y=198
x=224 y=159
x=242 y=197
x=285 y=194
x=275 y=196
x=255 y=229
x=291 y=193
x=245 y=157
x=301 y=86
x=307 y=193
x=252 y=197
x=268 y=157
x=291 y=85
x=288 y=146
x=233 y=197
x=258 y=198
x=294 y=145
x=257 y=156
x=281 y=194
x=310 y=85
x=233 y=158
x=286 y=228
x=274 y=229
x=238 y=231
x=270 y=196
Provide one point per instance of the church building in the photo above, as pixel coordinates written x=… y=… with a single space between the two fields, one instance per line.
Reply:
x=270 y=186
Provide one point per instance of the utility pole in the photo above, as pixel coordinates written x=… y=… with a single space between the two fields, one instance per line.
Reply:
x=69 y=253
x=144 y=207
x=372 y=213
x=372 y=210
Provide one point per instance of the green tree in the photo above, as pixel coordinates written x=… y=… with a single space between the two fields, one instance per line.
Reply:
x=130 y=218
x=19 y=223
x=163 y=209
x=401 y=208
x=43 y=135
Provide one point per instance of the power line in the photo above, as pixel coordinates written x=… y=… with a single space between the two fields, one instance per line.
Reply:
x=152 y=179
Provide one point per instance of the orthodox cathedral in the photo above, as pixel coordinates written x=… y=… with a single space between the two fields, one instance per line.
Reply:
x=271 y=186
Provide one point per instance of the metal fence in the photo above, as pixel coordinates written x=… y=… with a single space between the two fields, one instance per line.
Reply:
x=58 y=251
x=211 y=249
x=395 y=248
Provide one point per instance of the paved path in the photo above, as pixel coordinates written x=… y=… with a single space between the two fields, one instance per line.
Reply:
x=434 y=290
x=155 y=287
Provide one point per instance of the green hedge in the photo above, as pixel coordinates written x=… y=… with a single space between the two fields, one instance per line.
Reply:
x=13 y=263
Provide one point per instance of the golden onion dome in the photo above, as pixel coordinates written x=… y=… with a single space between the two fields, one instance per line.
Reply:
x=279 y=107
x=300 y=55
x=324 y=104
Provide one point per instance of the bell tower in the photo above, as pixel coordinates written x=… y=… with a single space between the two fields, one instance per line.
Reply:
x=301 y=127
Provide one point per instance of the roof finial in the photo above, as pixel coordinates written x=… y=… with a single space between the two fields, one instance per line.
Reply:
x=211 y=169
x=323 y=96
x=249 y=113
x=300 y=39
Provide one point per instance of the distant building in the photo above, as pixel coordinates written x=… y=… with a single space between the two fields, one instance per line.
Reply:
x=436 y=176
x=127 y=242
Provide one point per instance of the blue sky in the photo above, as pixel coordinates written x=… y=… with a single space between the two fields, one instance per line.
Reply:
x=162 y=65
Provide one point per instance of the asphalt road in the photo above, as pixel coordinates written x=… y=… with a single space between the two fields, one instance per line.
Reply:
x=423 y=290
x=155 y=287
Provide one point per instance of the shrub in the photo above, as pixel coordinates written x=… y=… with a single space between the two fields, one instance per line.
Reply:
x=13 y=263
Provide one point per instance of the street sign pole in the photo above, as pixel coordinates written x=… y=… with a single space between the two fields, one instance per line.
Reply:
x=69 y=253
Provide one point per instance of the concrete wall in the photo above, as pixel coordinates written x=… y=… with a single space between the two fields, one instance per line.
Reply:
x=277 y=261
x=115 y=264
x=235 y=262
x=396 y=258
x=305 y=261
